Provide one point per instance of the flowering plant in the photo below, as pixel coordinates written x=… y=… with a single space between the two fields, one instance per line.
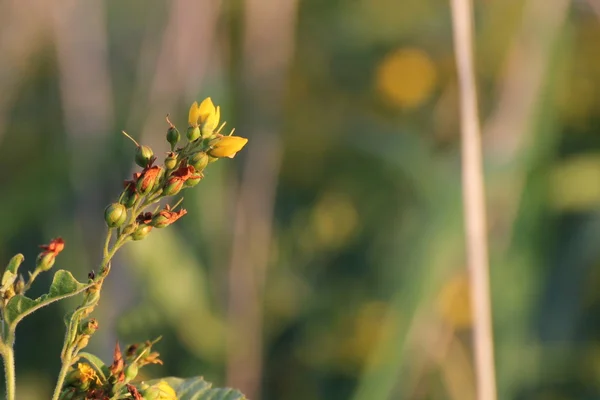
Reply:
x=83 y=375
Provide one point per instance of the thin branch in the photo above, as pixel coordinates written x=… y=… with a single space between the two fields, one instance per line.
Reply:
x=474 y=201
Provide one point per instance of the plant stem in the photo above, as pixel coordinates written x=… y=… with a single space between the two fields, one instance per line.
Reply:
x=69 y=353
x=66 y=364
x=8 y=355
x=474 y=202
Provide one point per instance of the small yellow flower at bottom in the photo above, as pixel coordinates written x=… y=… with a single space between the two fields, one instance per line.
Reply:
x=87 y=374
x=227 y=146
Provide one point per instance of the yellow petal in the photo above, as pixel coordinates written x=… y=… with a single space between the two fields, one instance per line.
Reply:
x=210 y=123
x=206 y=108
x=194 y=114
x=228 y=146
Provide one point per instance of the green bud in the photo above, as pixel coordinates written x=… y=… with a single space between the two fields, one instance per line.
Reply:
x=171 y=160
x=141 y=232
x=88 y=327
x=131 y=372
x=45 y=260
x=129 y=229
x=194 y=180
x=20 y=285
x=160 y=221
x=173 y=186
x=115 y=215
x=129 y=198
x=146 y=182
x=143 y=155
x=193 y=133
x=173 y=137
x=198 y=160
x=159 y=176
x=83 y=341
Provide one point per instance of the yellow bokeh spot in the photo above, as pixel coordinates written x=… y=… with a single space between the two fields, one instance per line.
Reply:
x=454 y=302
x=406 y=77
x=334 y=220
x=369 y=327
x=575 y=183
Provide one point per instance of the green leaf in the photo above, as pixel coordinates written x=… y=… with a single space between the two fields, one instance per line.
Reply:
x=198 y=389
x=95 y=362
x=13 y=266
x=16 y=306
x=63 y=285
x=10 y=274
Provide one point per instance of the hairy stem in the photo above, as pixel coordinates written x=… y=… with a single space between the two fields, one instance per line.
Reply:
x=66 y=364
x=9 y=373
x=8 y=355
x=69 y=351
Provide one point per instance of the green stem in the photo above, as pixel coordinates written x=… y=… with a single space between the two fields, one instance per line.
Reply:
x=66 y=364
x=107 y=242
x=32 y=277
x=69 y=352
x=7 y=352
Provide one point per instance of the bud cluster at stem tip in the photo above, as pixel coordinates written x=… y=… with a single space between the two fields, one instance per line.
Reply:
x=183 y=168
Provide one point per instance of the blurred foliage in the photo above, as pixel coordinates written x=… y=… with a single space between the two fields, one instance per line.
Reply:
x=365 y=294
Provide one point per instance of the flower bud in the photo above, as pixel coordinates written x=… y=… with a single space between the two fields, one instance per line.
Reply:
x=129 y=229
x=129 y=198
x=171 y=160
x=166 y=217
x=198 y=160
x=45 y=260
x=160 y=221
x=115 y=215
x=20 y=285
x=143 y=155
x=159 y=176
x=88 y=327
x=193 y=133
x=173 y=137
x=194 y=180
x=148 y=179
x=173 y=186
x=141 y=232
x=227 y=146
x=83 y=341
x=131 y=372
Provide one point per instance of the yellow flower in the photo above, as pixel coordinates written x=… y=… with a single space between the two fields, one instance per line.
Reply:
x=194 y=114
x=160 y=391
x=227 y=146
x=87 y=374
x=206 y=109
x=205 y=115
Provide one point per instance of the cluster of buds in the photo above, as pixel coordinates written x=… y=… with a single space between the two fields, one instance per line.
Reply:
x=183 y=168
x=116 y=381
x=13 y=282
